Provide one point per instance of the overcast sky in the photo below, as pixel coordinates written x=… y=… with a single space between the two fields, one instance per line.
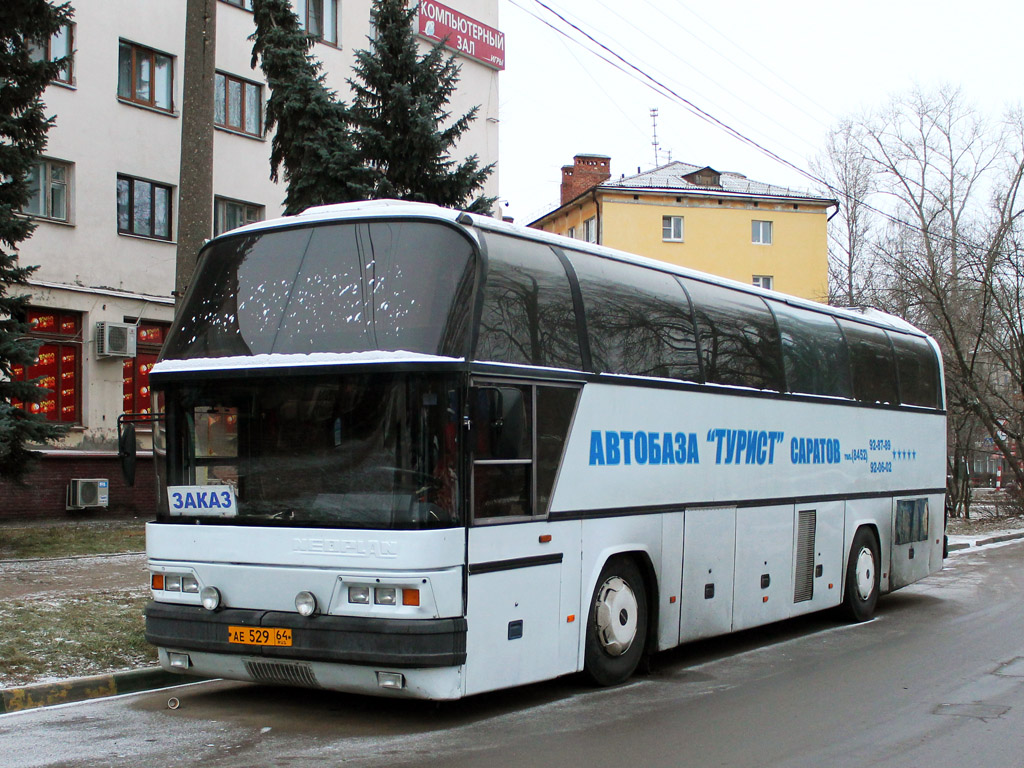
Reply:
x=780 y=73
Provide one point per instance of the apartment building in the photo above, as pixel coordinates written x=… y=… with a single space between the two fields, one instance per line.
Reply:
x=107 y=194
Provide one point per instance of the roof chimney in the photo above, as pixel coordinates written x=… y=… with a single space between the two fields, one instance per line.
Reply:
x=586 y=172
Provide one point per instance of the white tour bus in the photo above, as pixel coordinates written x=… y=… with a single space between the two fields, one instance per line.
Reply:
x=415 y=452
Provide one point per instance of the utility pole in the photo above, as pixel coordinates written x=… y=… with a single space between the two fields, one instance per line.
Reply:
x=654 y=129
x=195 y=175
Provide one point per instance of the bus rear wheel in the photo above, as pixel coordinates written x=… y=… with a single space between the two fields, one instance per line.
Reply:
x=862 y=576
x=617 y=623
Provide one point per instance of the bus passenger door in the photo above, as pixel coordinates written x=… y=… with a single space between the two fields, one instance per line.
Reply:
x=911 y=550
x=523 y=570
x=709 y=545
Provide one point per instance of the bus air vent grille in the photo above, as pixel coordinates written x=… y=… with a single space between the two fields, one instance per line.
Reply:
x=804 y=584
x=274 y=673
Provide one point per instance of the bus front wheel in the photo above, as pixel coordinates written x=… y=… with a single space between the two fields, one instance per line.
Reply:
x=617 y=623
x=862 y=576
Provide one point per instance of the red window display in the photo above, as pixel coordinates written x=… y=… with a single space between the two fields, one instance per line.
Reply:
x=57 y=365
x=135 y=372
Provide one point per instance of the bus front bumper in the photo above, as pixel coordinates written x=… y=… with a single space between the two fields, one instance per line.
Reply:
x=392 y=643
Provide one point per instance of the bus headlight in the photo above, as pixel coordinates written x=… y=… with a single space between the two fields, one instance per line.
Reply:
x=384 y=595
x=360 y=595
x=305 y=603
x=211 y=598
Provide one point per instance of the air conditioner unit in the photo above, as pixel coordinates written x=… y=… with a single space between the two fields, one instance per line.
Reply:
x=94 y=492
x=115 y=339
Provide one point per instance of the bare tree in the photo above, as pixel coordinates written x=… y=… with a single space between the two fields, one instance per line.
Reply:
x=850 y=178
x=950 y=181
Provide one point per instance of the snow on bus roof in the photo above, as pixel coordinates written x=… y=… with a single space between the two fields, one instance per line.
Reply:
x=470 y=222
x=276 y=360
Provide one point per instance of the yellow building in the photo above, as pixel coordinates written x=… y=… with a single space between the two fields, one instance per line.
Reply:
x=722 y=223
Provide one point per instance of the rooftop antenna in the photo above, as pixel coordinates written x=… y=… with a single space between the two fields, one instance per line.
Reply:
x=654 y=130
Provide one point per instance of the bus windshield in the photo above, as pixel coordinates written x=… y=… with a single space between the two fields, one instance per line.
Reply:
x=355 y=450
x=350 y=287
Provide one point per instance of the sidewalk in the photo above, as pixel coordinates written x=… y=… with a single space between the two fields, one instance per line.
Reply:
x=969 y=541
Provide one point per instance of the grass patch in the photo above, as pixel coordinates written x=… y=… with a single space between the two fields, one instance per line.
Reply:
x=73 y=637
x=72 y=538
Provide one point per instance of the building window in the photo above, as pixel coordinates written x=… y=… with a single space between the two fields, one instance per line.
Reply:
x=143 y=208
x=57 y=365
x=246 y=4
x=135 y=372
x=145 y=76
x=231 y=214
x=590 y=230
x=672 y=229
x=59 y=46
x=50 y=182
x=763 y=281
x=238 y=104
x=572 y=232
x=761 y=232
x=319 y=18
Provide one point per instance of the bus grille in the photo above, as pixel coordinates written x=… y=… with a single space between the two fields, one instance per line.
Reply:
x=282 y=674
x=804 y=586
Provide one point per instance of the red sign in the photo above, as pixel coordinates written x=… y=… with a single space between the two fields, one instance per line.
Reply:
x=462 y=34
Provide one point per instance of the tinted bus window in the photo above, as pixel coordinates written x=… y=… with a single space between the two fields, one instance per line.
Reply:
x=739 y=342
x=528 y=316
x=638 y=320
x=871 y=363
x=918 y=370
x=814 y=352
x=335 y=288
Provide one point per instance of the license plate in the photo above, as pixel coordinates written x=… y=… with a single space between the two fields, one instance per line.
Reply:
x=260 y=636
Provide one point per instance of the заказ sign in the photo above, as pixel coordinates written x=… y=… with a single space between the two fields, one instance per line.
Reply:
x=462 y=34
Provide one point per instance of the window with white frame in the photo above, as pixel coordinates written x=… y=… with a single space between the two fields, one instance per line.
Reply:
x=672 y=229
x=59 y=46
x=763 y=281
x=143 y=208
x=231 y=214
x=145 y=76
x=319 y=18
x=761 y=232
x=246 y=4
x=590 y=230
x=238 y=104
x=50 y=185
x=572 y=232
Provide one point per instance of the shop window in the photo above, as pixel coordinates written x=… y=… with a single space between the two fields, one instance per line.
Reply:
x=136 y=370
x=57 y=366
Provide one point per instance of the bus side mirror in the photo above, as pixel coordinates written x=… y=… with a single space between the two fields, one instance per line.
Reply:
x=126 y=450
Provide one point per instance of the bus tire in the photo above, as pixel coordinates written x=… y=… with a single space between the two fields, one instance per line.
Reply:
x=862 y=576
x=616 y=624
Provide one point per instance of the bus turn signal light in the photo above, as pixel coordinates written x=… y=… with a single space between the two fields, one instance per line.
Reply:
x=410 y=597
x=158 y=581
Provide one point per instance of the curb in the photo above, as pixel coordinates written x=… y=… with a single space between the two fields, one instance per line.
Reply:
x=959 y=546
x=81 y=689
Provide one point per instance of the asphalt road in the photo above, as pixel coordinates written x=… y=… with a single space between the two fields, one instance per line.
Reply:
x=937 y=680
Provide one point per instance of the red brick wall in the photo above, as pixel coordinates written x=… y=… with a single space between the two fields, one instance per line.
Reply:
x=44 y=494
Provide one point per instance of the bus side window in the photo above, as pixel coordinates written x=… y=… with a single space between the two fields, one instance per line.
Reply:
x=502 y=439
x=814 y=353
x=738 y=338
x=918 y=370
x=638 y=320
x=871 y=363
x=528 y=317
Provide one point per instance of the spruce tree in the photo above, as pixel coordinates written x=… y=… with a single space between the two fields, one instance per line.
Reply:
x=313 y=141
x=395 y=139
x=400 y=114
x=25 y=27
